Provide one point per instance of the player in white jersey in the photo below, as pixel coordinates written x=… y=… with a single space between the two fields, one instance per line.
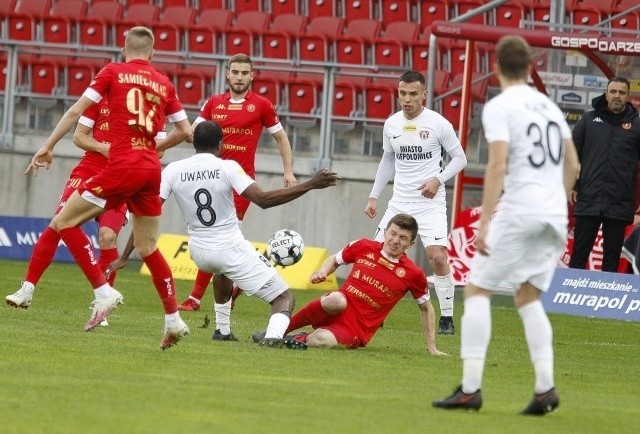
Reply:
x=203 y=186
x=414 y=141
x=531 y=159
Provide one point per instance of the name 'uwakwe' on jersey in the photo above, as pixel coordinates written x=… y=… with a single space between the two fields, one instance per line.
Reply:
x=203 y=186
x=535 y=129
x=140 y=101
x=242 y=122
x=419 y=146
x=376 y=283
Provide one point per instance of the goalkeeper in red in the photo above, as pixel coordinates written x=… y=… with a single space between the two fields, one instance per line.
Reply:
x=382 y=274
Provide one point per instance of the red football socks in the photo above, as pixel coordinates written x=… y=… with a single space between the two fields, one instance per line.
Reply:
x=82 y=251
x=162 y=280
x=200 y=286
x=42 y=255
x=107 y=256
x=311 y=314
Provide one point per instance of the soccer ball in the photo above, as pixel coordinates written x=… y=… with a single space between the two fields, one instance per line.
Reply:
x=285 y=247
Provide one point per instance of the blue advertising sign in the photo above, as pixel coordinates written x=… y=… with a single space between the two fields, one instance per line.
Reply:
x=18 y=235
x=594 y=294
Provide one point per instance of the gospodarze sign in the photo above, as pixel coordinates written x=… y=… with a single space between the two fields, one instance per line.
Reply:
x=18 y=235
x=594 y=294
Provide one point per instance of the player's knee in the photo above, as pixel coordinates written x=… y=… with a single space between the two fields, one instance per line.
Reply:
x=284 y=303
x=334 y=303
x=107 y=238
x=321 y=338
x=437 y=257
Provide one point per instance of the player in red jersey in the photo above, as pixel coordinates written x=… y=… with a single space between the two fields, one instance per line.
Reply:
x=242 y=114
x=382 y=274
x=96 y=119
x=140 y=100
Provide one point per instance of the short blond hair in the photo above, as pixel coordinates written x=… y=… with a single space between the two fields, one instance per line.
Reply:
x=139 y=41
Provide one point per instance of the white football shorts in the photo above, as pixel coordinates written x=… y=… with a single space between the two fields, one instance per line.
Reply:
x=521 y=249
x=242 y=263
x=431 y=218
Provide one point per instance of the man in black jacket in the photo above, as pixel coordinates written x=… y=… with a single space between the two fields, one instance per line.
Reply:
x=608 y=143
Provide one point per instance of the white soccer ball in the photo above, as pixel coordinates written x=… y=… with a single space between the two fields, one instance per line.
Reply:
x=285 y=247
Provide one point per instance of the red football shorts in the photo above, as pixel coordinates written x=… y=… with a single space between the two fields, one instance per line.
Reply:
x=139 y=189
x=114 y=219
x=343 y=326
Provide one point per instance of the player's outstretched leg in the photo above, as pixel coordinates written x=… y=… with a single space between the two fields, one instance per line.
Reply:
x=460 y=400
x=22 y=297
x=542 y=403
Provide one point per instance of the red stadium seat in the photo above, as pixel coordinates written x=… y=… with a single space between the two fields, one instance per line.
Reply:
x=284 y=7
x=211 y=4
x=206 y=35
x=302 y=93
x=509 y=14
x=171 y=32
x=279 y=42
x=43 y=74
x=464 y=6
x=269 y=88
x=540 y=10
x=454 y=55
x=61 y=26
x=136 y=15
x=314 y=45
x=419 y=51
x=97 y=27
x=321 y=8
x=247 y=6
x=433 y=10
x=193 y=85
x=357 y=10
x=344 y=99
x=23 y=22
x=79 y=73
x=391 y=47
x=585 y=14
x=395 y=10
x=354 y=46
x=628 y=21
x=380 y=102
x=243 y=35
x=441 y=81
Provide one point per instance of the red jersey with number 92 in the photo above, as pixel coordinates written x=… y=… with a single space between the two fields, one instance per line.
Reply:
x=140 y=101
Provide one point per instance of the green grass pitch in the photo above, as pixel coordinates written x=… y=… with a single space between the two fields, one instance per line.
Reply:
x=56 y=378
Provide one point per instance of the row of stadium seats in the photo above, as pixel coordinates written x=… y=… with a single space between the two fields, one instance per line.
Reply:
x=356 y=95
x=579 y=12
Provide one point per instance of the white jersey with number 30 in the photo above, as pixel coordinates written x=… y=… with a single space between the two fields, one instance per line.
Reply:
x=202 y=185
x=534 y=128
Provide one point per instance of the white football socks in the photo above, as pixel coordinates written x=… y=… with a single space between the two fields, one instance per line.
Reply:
x=278 y=324
x=223 y=316
x=474 y=341
x=445 y=291
x=539 y=335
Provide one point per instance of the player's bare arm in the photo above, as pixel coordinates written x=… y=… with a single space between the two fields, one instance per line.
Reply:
x=493 y=184
x=328 y=267
x=44 y=156
x=85 y=141
x=267 y=199
x=182 y=131
x=287 y=157
x=428 y=320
